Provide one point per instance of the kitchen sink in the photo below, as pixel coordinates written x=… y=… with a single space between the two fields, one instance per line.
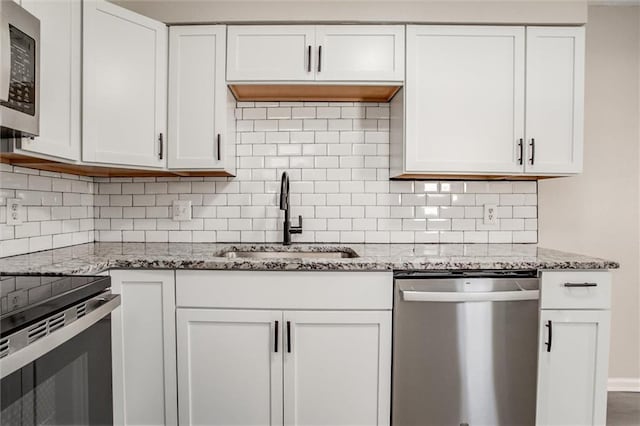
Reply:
x=300 y=254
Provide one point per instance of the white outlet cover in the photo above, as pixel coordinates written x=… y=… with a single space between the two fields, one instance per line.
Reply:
x=181 y=210
x=490 y=214
x=15 y=212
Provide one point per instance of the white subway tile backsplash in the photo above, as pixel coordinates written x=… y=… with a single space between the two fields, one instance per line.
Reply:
x=336 y=155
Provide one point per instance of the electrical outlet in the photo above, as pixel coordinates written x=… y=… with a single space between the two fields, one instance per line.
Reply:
x=181 y=209
x=490 y=214
x=17 y=299
x=15 y=212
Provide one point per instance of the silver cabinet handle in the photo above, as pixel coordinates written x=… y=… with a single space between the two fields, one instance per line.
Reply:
x=309 y=58
x=319 y=58
x=489 y=296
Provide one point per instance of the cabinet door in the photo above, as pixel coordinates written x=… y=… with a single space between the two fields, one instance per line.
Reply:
x=555 y=99
x=144 y=360
x=229 y=367
x=60 y=61
x=124 y=86
x=270 y=52
x=337 y=368
x=360 y=53
x=197 y=97
x=464 y=99
x=572 y=373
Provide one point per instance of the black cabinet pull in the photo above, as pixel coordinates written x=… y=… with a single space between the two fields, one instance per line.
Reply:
x=549 y=325
x=319 y=58
x=275 y=342
x=580 y=285
x=309 y=58
x=288 y=336
x=161 y=148
x=532 y=145
x=521 y=148
x=218 y=149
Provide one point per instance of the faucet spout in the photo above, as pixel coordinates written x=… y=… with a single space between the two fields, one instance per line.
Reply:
x=284 y=205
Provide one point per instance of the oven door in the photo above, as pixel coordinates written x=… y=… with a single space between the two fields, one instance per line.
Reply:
x=19 y=71
x=69 y=385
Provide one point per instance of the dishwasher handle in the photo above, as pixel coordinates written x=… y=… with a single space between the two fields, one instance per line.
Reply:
x=477 y=296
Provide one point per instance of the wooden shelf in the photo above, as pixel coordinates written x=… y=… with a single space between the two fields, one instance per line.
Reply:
x=312 y=92
x=97 y=171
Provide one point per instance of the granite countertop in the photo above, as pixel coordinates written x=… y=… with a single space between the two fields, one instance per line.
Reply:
x=96 y=257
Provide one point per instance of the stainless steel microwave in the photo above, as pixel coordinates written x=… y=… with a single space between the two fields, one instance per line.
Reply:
x=19 y=71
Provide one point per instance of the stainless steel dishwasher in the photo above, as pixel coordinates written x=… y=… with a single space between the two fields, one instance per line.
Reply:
x=465 y=348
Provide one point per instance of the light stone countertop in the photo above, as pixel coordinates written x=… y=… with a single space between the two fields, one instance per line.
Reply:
x=93 y=258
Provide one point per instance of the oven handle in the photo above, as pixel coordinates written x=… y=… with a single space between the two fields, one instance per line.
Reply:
x=5 y=58
x=478 y=296
x=35 y=350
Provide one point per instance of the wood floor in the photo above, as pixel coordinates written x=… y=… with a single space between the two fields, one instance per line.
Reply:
x=623 y=409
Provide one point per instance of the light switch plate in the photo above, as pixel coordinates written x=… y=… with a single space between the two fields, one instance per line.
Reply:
x=490 y=214
x=15 y=212
x=181 y=209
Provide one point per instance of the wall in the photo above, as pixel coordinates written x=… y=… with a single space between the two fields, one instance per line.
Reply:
x=337 y=157
x=414 y=11
x=597 y=213
x=58 y=210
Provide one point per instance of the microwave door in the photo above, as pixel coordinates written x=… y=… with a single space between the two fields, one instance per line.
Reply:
x=5 y=54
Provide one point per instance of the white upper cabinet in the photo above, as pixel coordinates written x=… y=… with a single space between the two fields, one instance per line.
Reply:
x=555 y=99
x=322 y=53
x=60 y=78
x=336 y=368
x=477 y=101
x=229 y=367
x=124 y=86
x=464 y=99
x=270 y=53
x=201 y=119
x=360 y=53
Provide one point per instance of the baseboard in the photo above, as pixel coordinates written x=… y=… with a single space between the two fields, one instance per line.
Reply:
x=623 y=384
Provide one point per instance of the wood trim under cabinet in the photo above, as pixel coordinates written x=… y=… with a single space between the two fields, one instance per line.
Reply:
x=313 y=92
x=96 y=170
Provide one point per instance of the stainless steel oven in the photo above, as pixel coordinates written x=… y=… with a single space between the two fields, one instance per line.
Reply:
x=19 y=71
x=55 y=352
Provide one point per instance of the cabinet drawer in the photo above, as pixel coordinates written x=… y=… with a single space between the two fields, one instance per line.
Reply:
x=284 y=290
x=575 y=290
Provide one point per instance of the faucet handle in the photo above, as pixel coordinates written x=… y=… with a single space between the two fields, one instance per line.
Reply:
x=297 y=229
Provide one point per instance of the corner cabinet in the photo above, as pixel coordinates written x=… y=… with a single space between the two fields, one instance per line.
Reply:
x=489 y=100
x=60 y=78
x=299 y=347
x=144 y=357
x=124 y=87
x=201 y=108
x=573 y=348
x=328 y=53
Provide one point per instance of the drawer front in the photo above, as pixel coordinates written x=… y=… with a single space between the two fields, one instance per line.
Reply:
x=284 y=290
x=575 y=290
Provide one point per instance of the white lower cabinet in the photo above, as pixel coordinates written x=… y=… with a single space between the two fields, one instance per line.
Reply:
x=230 y=372
x=143 y=335
x=573 y=349
x=337 y=368
x=266 y=364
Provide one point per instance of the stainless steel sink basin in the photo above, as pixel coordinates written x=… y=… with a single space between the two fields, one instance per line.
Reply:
x=264 y=254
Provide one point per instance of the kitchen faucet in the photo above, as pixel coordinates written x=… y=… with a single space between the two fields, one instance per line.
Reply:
x=284 y=205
